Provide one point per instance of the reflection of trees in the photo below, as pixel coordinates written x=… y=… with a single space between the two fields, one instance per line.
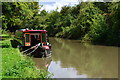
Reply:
x=42 y=62
x=93 y=60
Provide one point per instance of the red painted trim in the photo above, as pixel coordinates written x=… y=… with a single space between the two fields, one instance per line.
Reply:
x=45 y=38
x=34 y=31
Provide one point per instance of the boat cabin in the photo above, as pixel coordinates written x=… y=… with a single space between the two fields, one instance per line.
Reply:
x=34 y=42
x=33 y=37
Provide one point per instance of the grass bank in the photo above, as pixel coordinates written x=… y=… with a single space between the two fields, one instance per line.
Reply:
x=16 y=65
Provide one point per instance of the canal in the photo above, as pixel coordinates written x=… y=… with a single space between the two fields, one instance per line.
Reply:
x=72 y=59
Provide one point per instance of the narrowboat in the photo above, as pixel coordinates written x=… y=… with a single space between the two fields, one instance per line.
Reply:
x=35 y=42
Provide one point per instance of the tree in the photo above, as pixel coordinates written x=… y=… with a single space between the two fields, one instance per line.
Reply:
x=18 y=15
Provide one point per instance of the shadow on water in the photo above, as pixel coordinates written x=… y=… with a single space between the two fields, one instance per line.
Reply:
x=73 y=59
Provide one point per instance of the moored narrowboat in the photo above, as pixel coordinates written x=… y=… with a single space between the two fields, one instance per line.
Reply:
x=35 y=42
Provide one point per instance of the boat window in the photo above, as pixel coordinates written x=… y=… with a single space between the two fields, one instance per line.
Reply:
x=27 y=38
x=37 y=36
x=43 y=37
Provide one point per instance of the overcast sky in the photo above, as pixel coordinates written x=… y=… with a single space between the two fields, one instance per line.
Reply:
x=49 y=5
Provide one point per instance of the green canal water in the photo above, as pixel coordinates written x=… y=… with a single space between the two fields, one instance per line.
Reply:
x=72 y=59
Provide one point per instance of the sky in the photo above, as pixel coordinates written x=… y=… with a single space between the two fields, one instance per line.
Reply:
x=49 y=5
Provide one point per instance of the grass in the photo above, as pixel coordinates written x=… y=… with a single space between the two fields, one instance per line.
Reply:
x=4 y=35
x=15 y=65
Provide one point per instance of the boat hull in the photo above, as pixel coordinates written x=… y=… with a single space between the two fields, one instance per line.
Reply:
x=39 y=52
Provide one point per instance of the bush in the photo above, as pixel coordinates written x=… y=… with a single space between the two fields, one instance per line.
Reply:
x=98 y=30
x=5 y=44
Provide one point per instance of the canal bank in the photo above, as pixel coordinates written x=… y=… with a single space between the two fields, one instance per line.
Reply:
x=72 y=59
x=17 y=65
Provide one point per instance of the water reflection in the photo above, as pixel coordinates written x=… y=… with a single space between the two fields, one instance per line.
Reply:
x=42 y=63
x=73 y=59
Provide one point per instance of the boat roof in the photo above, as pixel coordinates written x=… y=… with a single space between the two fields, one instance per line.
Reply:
x=34 y=31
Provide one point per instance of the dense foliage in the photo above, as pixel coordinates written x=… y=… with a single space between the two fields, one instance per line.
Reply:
x=17 y=15
x=97 y=22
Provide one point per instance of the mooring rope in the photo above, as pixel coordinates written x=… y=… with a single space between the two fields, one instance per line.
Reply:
x=32 y=48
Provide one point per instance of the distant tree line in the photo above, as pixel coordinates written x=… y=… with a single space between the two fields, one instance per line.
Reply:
x=98 y=22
